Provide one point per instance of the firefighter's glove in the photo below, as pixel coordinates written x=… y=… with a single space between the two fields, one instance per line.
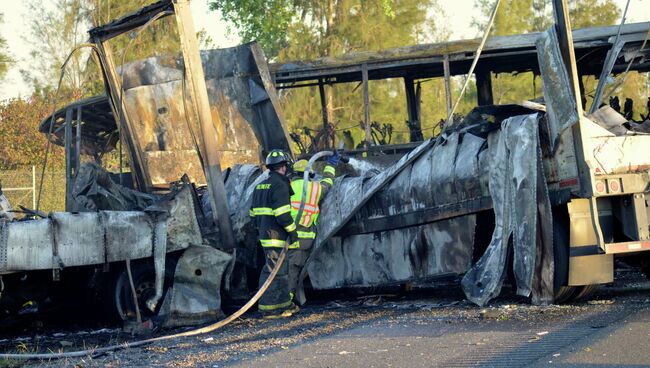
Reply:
x=334 y=159
x=293 y=238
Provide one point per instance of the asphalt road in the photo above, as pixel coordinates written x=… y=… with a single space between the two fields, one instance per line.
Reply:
x=597 y=334
x=433 y=328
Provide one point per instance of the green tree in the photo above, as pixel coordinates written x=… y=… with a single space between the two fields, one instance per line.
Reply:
x=276 y=24
x=593 y=13
x=536 y=16
x=57 y=29
x=5 y=58
x=23 y=144
x=54 y=31
x=298 y=30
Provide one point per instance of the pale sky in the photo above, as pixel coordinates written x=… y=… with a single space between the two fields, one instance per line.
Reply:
x=459 y=17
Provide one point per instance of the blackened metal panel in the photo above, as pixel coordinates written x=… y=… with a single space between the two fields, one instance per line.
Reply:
x=467 y=171
x=556 y=85
x=240 y=94
x=79 y=238
x=386 y=257
x=513 y=186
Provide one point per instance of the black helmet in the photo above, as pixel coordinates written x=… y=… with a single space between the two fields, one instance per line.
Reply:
x=276 y=157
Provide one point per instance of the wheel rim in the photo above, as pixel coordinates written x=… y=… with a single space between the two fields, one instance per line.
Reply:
x=144 y=289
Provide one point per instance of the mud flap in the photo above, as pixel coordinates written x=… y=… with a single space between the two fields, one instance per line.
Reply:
x=195 y=296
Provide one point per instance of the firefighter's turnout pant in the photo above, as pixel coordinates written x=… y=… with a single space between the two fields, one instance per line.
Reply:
x=298 y=256
x=276 y=298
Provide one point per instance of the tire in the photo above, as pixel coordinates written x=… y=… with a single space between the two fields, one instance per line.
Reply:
x=562 y=292
x=584 y=292
x=144 y=276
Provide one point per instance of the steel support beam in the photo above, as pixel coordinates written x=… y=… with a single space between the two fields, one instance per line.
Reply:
x=484 y=87
x=77 y=150
x=208 y=137
x=415 y=128
x=366 y=103
x=447 y=76
x=323 y=102
x=608 y=65
x=68 y=158
x=565 y=38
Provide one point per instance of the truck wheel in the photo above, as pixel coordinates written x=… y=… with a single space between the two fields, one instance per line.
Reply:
x=144 y=281
x=584 y=292
x=562 y=293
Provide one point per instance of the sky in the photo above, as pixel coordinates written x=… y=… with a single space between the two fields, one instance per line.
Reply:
x=459 y=18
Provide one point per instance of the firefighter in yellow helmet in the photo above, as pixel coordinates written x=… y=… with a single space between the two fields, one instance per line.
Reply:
x=306 y=226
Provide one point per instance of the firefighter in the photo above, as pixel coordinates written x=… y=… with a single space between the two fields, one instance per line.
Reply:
x=306 y=228
x=271 y=210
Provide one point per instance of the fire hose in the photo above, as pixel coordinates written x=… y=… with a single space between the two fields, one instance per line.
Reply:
x=210 y=328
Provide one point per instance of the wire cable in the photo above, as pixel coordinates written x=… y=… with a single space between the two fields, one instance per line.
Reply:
x=52 y=116
x=475 y=61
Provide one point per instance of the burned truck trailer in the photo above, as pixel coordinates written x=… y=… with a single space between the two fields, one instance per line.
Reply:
x=565 y=192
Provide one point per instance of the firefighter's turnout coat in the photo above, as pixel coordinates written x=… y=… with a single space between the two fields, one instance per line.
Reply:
x=271 y=210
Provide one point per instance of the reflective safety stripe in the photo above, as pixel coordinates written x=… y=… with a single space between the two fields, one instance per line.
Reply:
x=277 y=243
x=306 y=234
x=329 y=170
x=309 y=208
x=274 y=306
x=312 y=197
x=261 y=211
x=290 y=228
x=328 y=181
x=272 y=243
x=282 y=210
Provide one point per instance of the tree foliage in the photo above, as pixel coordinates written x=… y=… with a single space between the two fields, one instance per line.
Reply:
x=277 y=24
x=22 y=144
x=302 y=29
x=5 y=58
x=58 y=29
x=525 y=16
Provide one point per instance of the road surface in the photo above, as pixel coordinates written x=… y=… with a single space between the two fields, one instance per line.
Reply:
x=428 y=328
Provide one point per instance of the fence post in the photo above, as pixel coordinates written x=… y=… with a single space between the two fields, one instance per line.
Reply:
x=34 y=187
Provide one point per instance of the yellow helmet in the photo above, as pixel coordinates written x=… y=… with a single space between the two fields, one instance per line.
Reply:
x=300 y=166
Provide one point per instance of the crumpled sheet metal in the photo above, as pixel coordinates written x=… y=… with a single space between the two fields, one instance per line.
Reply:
x=608 y=118
x=544 y=273
x=242 y=98
x=93 y=190
x=66 y=240
x=195 y=297
x=443 y=247
x=451 y=167
x=240 y=184
x=5 y=208
x=343 y=205
x=414 y=252
x=456 y=167
x=514 y=181
x=560 y=104
x=92 y=238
